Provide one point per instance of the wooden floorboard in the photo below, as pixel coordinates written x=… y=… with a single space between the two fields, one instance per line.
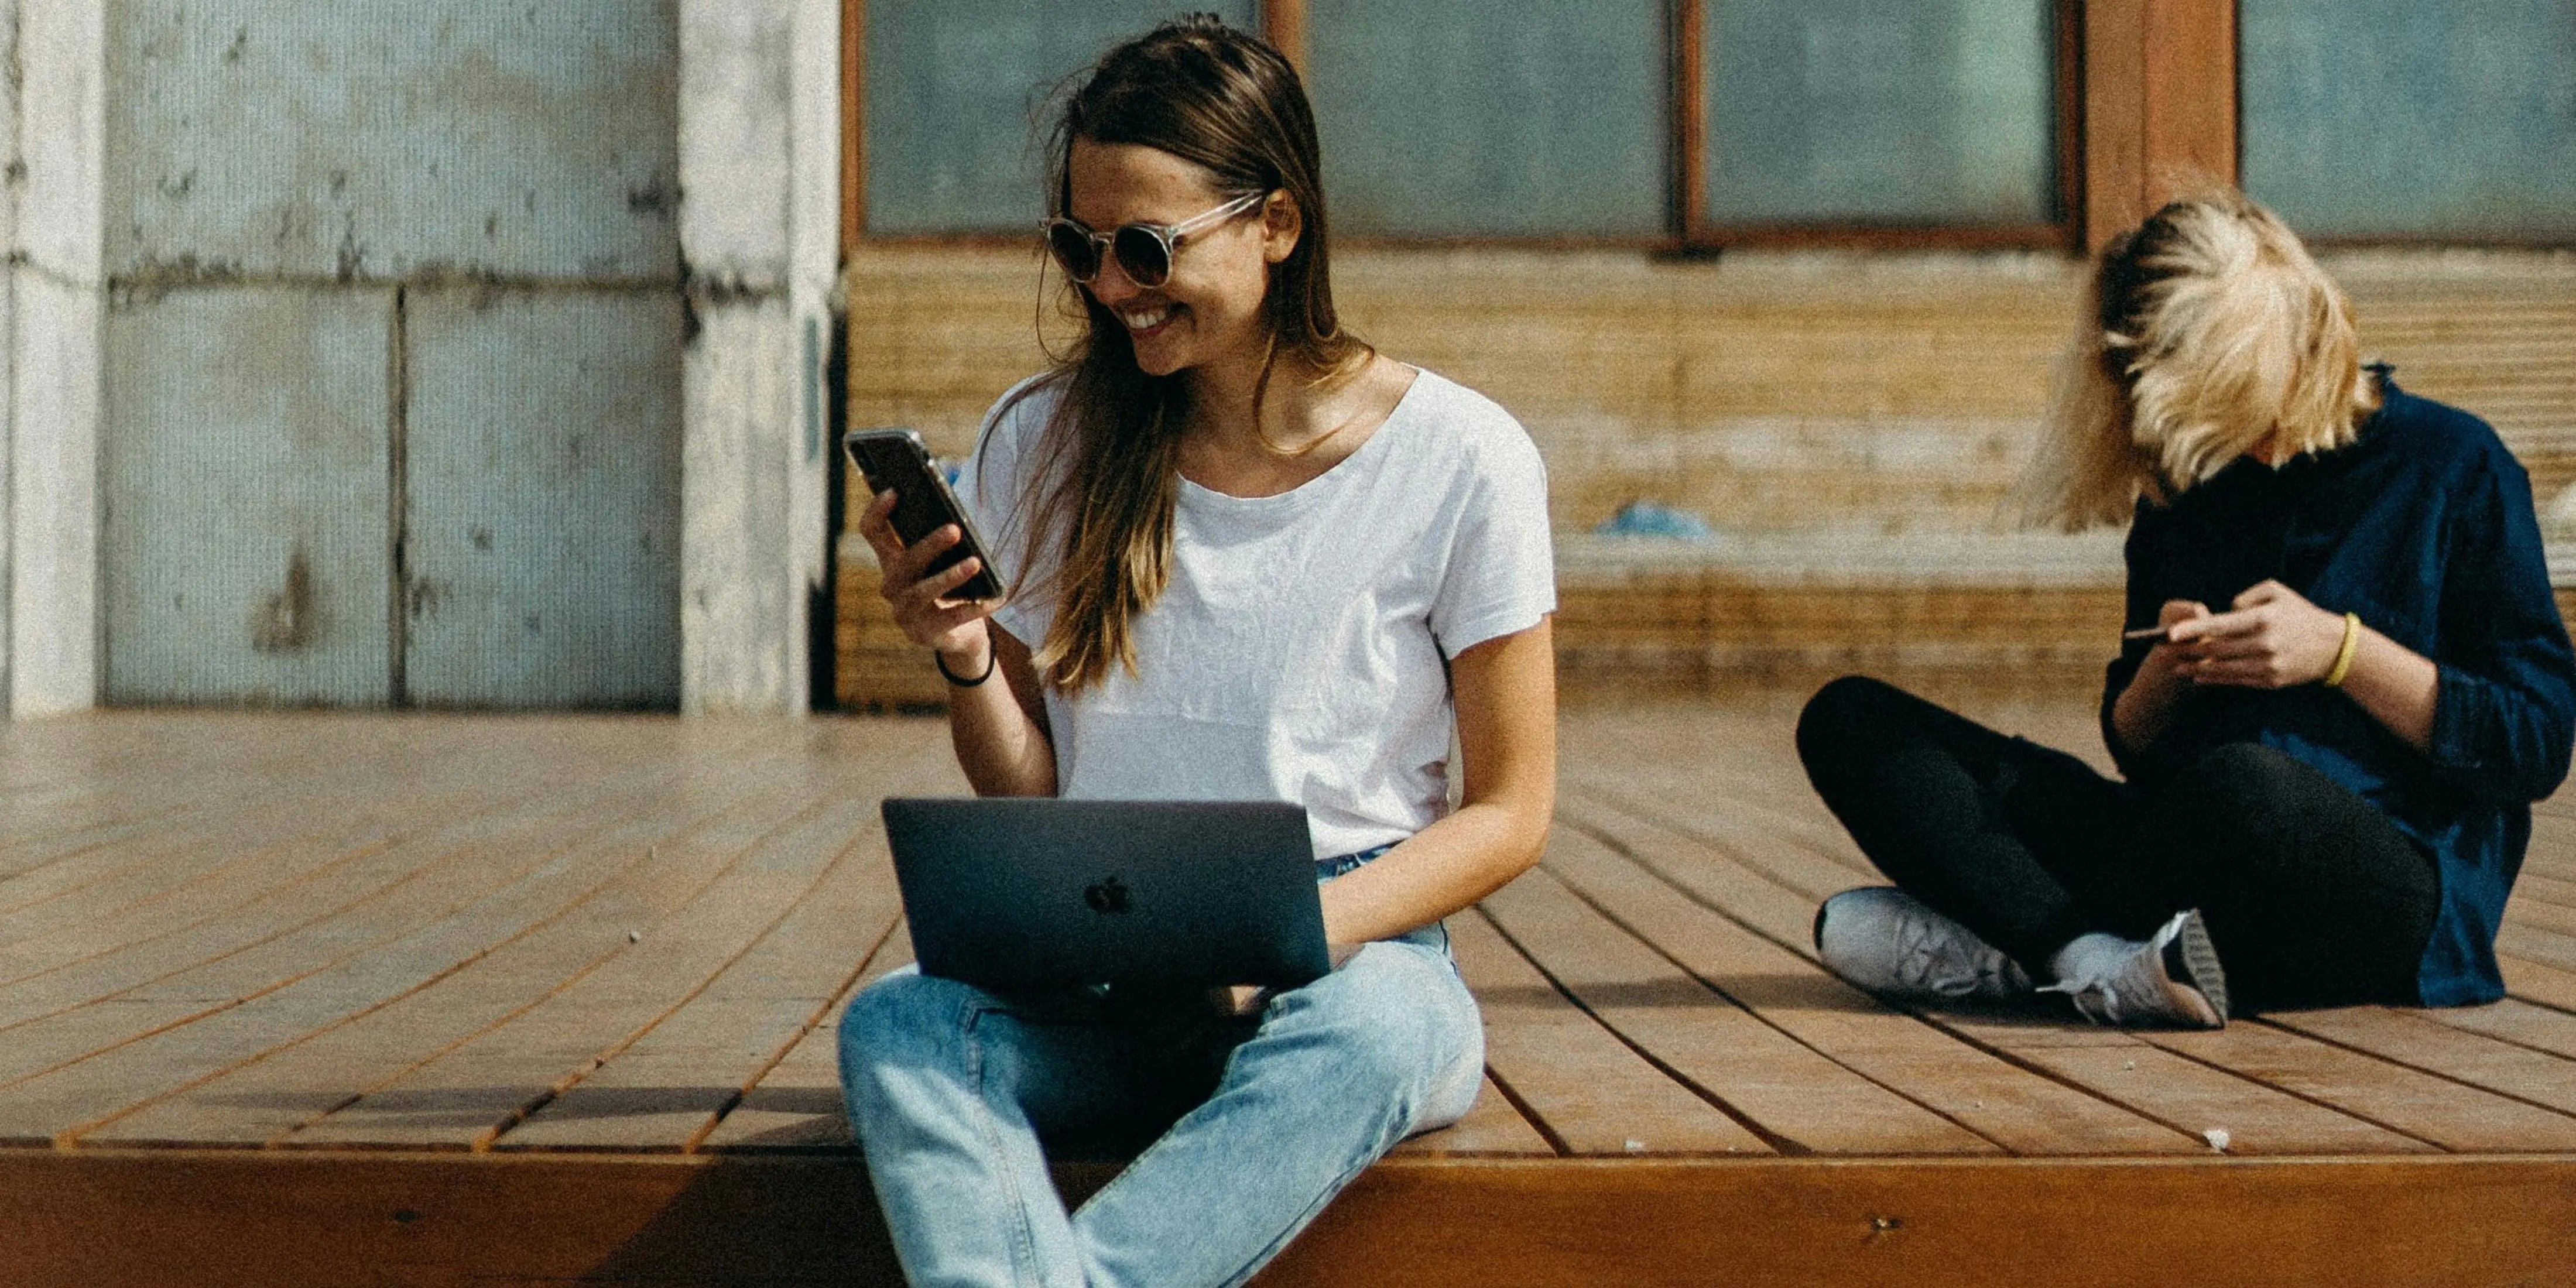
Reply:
x=286 y=962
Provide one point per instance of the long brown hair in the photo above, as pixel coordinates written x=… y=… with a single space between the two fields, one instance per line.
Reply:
x=1108 y=468
x=2205 y=331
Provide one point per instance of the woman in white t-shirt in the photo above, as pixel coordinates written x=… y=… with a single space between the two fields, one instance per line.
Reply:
x=1252 y=559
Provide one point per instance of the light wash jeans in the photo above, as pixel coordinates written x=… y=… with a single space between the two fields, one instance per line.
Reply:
x=1254 y=1124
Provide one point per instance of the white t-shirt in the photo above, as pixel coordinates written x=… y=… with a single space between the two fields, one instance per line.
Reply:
x=1298 y=652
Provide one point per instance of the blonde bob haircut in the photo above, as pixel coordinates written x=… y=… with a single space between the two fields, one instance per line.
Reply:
x=2208 y=334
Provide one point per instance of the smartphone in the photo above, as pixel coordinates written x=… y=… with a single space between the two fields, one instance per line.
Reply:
x=894 y=460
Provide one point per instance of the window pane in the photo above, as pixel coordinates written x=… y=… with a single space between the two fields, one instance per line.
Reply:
x=954 y=143
x=1461 y=117
x=1870 y=111
x=2402 y=118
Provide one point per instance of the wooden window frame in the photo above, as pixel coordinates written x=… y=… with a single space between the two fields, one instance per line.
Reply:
x=2146 y=91
x=1689 y=178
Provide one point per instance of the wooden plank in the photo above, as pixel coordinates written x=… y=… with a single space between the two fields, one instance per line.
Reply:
x=2180 y=1096
x=671 y=1085
x=295 y=1049
x=2534 y=944
x=2513 y=1020
x=1800 y=1100
x=2537 y=982
x=404 y=949
x=467 y=1095
x=255 y=1219
x=1818 y=1222
x=2413 y=1039
x=1493 y=1127
x=254 y=904
x=1587 y=1090
x=2437 y=1110
x=2020 y=1110
x=794 y=1105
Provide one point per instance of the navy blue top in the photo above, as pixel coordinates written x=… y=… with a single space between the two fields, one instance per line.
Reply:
x=2424 y=527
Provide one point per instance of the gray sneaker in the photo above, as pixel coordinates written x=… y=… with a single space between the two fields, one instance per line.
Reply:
x=1888 y=942
x=2172 y=978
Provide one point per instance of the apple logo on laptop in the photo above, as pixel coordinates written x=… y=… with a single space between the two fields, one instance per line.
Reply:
x=1106 y=896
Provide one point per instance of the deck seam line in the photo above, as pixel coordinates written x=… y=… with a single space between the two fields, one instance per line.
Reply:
x=2148 y=1036
x=1678 y=964
x=2455 y=1080
x=1620 y=797
x=380 y=845
x=71 y=1135
x=1785 y=1146
x=2145 y=1037
x=1970 y=1040
x=1520 y=1105
x=243 y=1000
x=716 y=1117
x=491 y=1136
x=480 y=1144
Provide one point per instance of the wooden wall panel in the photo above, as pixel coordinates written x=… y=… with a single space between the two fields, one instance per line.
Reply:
x=1843 y=406
x=2159 y=106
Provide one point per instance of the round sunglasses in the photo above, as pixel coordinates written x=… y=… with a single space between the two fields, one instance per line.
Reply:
x=1143 y=251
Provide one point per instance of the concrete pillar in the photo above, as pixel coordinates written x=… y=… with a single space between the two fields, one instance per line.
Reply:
x=759 y=219
x=56 y=298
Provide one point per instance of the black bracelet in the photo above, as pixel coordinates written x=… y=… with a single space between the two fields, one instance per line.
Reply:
x=991 y=660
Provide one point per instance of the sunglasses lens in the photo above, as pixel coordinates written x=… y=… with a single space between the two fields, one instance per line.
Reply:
x=1073 y=252
x=1142 y=254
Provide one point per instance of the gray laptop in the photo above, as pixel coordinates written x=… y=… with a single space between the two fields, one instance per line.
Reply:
x=1016 y=892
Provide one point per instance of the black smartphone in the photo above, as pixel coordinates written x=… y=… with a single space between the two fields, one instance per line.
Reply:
x=894 y=460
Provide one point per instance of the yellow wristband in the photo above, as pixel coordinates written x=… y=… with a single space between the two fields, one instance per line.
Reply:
x=2343 y=656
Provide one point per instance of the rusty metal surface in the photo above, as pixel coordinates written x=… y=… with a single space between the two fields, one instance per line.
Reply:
x=244 y=482
x=544 y=499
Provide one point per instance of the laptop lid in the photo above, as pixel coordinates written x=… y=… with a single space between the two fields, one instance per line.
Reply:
x=1013 y=892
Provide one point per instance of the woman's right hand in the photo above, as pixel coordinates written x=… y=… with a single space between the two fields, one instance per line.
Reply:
x=2144 y=708
x=954 y=627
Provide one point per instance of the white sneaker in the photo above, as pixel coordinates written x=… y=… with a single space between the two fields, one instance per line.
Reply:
x=1888 y=942
x=2171 y=978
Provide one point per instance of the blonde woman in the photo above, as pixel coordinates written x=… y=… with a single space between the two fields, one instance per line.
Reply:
x=2344 y=680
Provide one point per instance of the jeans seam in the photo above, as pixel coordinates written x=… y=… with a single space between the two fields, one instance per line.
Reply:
x=1386 y=1140
x=1024 y=1241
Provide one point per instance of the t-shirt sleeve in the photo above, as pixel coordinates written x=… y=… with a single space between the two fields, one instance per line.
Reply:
x=991 y=485
x=1501 y=575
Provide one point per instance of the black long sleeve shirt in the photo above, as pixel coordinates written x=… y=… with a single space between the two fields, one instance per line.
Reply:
x=2424 y=527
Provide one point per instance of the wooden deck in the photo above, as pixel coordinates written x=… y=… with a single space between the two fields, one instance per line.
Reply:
x=322 y=999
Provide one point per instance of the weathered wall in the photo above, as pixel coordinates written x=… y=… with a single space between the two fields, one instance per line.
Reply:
x=56 y=298
x=759 y=149
x=1849 y=424
x=393 y=348
x=355 y=352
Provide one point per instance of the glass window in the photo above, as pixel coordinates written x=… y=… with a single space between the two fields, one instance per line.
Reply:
x=2398 y=118
x=1462 y=118
x=1866 y=112
x=955 y=89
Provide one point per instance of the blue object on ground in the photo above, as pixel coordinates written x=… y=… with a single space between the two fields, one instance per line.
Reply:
x=1650 y=519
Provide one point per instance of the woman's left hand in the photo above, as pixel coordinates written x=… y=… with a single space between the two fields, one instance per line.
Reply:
x=2273 y=638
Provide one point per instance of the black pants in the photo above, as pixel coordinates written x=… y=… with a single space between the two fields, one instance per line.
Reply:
x=2312 y=897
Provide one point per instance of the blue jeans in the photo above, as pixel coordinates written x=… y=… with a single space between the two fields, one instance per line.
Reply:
x=1249 y=1125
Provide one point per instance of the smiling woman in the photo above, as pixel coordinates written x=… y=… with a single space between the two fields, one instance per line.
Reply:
x=1256 y=560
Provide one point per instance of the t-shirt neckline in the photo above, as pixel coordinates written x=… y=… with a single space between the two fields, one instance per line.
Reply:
x=1201 y=494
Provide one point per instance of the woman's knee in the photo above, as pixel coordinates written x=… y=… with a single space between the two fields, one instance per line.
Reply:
x=1842 y=714
x=1401 y=1024
x=2247 y=786
x=899 y=1011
